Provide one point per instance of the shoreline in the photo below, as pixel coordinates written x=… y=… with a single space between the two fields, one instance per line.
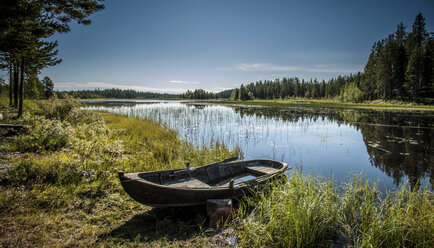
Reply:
x=320 y=104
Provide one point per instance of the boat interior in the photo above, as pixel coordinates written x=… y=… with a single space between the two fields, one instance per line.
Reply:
x=219 y=174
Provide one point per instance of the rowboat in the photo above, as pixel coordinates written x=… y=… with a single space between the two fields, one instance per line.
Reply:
x=193 y=186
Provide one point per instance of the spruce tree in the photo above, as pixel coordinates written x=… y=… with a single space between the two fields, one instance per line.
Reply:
x=48 y=87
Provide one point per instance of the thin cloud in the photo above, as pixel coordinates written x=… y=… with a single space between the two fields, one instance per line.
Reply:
x=219 y=89
x=265 y=67
x=182 y=82
x=95 y=85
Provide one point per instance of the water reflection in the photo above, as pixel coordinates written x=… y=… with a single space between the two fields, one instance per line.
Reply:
x=389 y=147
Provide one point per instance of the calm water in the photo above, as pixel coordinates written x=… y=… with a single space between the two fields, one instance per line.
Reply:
x=387 y=146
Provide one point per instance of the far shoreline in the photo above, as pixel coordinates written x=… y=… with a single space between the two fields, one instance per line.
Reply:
x=315 y=103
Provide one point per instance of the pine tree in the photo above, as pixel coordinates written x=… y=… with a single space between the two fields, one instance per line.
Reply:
x=24 y=28
x=414 y=73
x=48 y=87
x=399 y=61
x=234 y=94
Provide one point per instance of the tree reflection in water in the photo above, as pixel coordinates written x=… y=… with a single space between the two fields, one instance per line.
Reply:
x=398 y=143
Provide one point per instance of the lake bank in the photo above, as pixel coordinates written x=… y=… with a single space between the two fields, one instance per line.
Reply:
x=311 y=103
x=62 y=189
x=65 y=192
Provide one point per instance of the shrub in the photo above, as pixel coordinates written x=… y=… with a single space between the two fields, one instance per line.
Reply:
x=57 y=109
x=351 y=93
x=46 y=135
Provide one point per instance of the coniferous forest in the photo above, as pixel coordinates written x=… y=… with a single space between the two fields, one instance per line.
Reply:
x=400 y=67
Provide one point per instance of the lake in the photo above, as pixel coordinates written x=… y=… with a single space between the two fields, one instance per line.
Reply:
x=388 y=147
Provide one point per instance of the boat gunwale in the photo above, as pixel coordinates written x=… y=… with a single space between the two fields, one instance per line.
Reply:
x=253 y=181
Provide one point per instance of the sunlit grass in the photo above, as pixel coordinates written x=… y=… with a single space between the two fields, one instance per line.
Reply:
x=308 y=212
x=330 y=103
x=63 y=188
x=67 y=193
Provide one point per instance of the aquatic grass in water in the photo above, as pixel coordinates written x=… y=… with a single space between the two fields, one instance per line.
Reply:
x=387 y=146
x=308 y=212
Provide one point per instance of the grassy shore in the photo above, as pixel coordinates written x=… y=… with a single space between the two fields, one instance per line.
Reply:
x=308 y=212
x=61 y=187
x=58 y=187
x=315 y=103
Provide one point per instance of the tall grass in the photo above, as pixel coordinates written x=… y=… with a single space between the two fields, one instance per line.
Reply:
x=300 y=213
x=63 y=190
x=308 y=212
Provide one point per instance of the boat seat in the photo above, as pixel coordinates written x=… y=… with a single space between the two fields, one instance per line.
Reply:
x=189 y=182
x=261 y=170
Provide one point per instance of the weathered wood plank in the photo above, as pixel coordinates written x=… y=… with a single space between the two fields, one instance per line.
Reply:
x=188 y=182
x=264 y=170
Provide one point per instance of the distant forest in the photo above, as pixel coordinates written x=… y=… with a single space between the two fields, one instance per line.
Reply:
x=132 y=94
x=116 y=93
x=37 y=89
x=400 y=67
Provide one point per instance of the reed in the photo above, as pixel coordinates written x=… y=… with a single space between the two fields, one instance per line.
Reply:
x=308 y=212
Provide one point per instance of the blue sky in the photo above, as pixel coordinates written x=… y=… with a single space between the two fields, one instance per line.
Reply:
x=175 y=45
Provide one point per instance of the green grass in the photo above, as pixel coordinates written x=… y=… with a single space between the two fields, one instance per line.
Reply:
x=62 y=190
x=308 y=212
x=316 y=103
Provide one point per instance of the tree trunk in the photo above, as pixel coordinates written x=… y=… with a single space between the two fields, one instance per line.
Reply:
x=20 y=109
x=11 y=78
x=15 y=85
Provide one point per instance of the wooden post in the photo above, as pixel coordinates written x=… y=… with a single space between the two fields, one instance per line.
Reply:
x=218 y=212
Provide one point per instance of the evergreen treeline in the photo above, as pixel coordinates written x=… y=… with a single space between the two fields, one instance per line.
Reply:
x=117 y=93
x=199 y=94
x=399 y=67
x=225 y=94
x=294 y=87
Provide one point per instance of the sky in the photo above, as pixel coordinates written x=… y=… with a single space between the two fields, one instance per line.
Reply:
x=171 y=46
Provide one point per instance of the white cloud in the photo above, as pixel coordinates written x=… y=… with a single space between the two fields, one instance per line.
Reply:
x=218 y=89
x=182 y=82
x=94 y=85
x=284 y=68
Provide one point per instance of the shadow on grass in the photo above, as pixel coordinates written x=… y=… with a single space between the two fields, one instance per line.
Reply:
x=172 y=223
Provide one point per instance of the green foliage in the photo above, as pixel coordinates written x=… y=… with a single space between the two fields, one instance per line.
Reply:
x=67 y=182
x=305 y=212
x=404 y=218
x=244 y=93
x=48 y=87
x=199 y=94
x=58 y=109
x=301 y=213
x=46 y=135
x=351 y=93
x=234 y=95
x=116 y=93
x=33 y=88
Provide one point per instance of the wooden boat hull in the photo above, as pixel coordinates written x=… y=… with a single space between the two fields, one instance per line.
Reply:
x=195 y=186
